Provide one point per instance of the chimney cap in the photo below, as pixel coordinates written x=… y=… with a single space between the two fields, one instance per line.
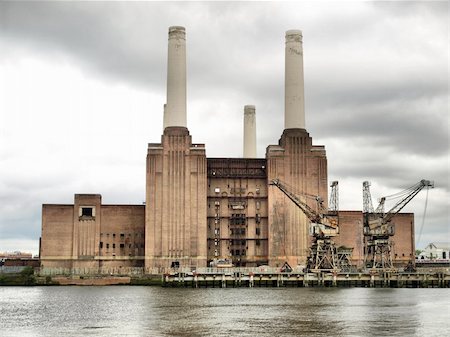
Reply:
x=176 y=28
x=294 y=32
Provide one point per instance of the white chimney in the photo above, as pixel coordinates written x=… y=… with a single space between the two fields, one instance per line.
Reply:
x=175 y=111
x=249 y=131
x=164 y=117
x=294 y=102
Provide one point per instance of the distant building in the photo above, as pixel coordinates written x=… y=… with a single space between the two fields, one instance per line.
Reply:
x=15 y=255
x=436 y=251
x=18 y=258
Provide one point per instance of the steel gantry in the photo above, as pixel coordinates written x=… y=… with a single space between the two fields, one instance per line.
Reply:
x=378 y=226
x=323 y=226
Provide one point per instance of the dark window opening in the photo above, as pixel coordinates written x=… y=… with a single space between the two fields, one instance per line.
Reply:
x=114 y=245
x=86 y=211
x=258 y=242
x=122 y=246
x=101 y=244
x=107 y=245
x=258 y=231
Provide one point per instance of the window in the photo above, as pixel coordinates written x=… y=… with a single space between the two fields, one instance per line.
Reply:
x=258 y=242
x=86 y=211
x=258 y=231
x=217 y=190
x=101 y=244
x=258 y=190
x=114 y=245
x=107 y=246
x=216 y=231
x=114 y=235
x=444 y=255
x=122 y=236
x=258 y=205
x=122 y=246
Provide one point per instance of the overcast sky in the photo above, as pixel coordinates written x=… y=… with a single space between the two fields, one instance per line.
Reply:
x=82 y=88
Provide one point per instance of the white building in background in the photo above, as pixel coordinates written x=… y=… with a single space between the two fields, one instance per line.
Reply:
x=436 y=251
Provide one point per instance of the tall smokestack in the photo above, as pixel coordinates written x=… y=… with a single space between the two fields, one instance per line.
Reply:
x=164 y=117
x=294 y=100
x=249 y=131
x=175 y=112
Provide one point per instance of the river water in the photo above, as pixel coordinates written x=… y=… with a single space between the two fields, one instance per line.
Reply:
x=275 y=312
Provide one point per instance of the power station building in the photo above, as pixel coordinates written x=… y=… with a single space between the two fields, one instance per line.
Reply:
x=199 y=209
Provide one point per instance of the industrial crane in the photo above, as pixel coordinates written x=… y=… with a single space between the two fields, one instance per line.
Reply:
x=324 y=226
x=378 y=226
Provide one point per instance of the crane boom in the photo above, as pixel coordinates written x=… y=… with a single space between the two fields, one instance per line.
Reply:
x=321 y=224
x=380 y=218
x=410 y=194
x=309 y=212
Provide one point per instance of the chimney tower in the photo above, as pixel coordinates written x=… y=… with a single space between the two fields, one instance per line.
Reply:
x=294 y=102
x=249 y=131
x=175 y=111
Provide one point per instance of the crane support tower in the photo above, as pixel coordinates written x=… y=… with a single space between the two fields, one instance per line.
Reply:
x=378 y=226
x=323 y=226
x=333 y=205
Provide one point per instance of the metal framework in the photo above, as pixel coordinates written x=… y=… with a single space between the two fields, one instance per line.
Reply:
x=378 y=228
x=333 y=205
x=323 y=253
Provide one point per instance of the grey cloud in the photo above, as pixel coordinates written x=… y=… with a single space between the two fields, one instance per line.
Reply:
x=375 y=75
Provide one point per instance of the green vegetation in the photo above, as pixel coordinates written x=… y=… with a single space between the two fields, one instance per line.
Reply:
x=24 y=278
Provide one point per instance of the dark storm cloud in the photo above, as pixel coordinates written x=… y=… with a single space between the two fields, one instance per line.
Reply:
x=110 y=39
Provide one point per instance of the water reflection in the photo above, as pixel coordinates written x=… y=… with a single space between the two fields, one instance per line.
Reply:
x=154 y=311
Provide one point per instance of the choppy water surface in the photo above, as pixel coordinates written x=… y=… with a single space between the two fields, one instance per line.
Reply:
x=275 y=312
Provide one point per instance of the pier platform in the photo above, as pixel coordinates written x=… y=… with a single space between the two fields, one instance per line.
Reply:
x=242 y=277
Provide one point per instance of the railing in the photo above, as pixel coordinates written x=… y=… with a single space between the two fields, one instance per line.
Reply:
x=140 y=271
